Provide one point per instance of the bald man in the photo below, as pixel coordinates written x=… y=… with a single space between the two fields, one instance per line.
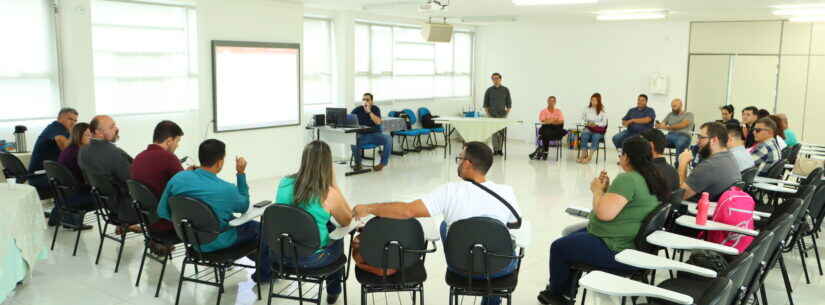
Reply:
x=679 y=124
x=101 y=158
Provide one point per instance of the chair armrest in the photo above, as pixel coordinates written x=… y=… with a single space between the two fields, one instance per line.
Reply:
x=712 y=210
x=612 y=285
x=675 y=241
x=644 y=260
x=577 y=211
x=690 y=222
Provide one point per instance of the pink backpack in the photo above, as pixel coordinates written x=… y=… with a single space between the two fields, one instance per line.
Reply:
x=735 y=208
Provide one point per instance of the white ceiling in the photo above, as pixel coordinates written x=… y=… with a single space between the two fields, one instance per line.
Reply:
x=685 y=10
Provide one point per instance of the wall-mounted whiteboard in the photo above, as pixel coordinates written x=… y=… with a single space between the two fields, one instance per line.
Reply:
x=255 y=85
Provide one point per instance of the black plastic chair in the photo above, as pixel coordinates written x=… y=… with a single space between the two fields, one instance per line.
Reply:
x=779 y=229
x=602 y=145
x=14 y=168
x=655 y=221
x=791 y=152
x=145 y=203
x=816 y=210
x=480 y=247
x=106 y=195
x=719 y=292
x=737 y=272
x=393 y=244
x=748 y=176
x=65 y=186
x=776 y=169
x=291 y=233
x=196 y=224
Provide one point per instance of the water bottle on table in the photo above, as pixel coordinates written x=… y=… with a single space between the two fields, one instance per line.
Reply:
x=702 y=209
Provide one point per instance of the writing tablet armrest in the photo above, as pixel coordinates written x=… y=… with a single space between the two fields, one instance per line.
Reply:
x=644 y=260
x=612 y=285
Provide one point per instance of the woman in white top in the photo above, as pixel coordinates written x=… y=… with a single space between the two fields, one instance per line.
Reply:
x=595 y=122
x=780 y=134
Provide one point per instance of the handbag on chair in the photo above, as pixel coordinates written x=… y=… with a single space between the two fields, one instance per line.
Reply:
x=805 y=165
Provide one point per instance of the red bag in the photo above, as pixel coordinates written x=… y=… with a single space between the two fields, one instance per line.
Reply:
x=597 y=129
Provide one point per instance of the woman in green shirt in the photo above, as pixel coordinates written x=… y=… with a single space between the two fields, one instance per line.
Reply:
x=313 y=189
x=618 y=211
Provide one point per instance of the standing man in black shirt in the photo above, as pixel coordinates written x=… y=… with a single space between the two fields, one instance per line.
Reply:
x=497 y=104
x=749 y=117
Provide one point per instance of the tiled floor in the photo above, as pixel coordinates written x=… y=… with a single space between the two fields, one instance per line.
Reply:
x=544 y=189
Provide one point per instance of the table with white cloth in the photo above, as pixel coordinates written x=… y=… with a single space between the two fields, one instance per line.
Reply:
x=24 y=157
x=22 y=242
x=475 y=129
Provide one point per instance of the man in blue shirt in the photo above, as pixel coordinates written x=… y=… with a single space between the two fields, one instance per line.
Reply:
x=370 y=115
x=223 y=197
x=636 y=121
x=50 y=143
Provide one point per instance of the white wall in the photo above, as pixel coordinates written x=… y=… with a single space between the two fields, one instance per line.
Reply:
x=572 y=61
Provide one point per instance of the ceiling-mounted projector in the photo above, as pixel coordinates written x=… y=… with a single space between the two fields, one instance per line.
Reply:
x=433 y=6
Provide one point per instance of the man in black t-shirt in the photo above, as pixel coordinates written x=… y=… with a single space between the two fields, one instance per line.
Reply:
x=658 y=140
x=50 y=143
x=370 y=115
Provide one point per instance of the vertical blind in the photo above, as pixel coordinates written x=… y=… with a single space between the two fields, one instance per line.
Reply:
x=318 y=62
x=396 y=63
x=145 y=57
x=28 y=60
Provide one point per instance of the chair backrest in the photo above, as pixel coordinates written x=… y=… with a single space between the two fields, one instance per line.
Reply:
x=776 y=169
x=411 y=115
x=719 y=292
x=290 y=232
x=195 y=222
x=468 y=239
x=145 y=201
x=817 y=207
x=423 y=111
x=60 y=175
x=749 y=174
x=737 y=272
x=392 y=243
x=653 y=222
x=392 y=114
x=12 y=166
x=793 y=153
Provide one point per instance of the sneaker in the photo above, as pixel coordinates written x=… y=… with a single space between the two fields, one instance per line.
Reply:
x=74 y=227
x=378 y=167
x=547 y=298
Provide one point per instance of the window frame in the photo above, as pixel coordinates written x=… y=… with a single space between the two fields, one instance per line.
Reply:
x=370 y=76
x=330 y=23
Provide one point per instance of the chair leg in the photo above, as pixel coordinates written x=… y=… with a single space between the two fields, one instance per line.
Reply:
x=584 y=297
x=142 y=262
x=120 y=250
x=800 y=245
x=162 y=271
x=180 y=281
x=100 y=247
x=54 y=237
x=816 y=252
x=788 y=287
x=764 y=294
x=269 y=296
x=76 y=243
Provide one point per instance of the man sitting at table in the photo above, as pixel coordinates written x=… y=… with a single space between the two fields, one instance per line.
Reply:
x=223 y=197
x=370 y=115
x=48 y=146
x=459 y=200
x=718 y=169
x=736 y=146
x=637 y=120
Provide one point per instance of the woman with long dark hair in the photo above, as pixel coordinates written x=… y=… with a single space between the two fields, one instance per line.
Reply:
x=595 y=126
x=82 y=197
x=313 y=189
x=618 y=211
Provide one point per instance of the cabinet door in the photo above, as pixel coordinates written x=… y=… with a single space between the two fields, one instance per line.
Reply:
x=753 y=81
x=815 y=105
x=707 y=86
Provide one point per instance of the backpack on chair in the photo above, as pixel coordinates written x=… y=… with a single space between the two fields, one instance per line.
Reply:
x=735 y=208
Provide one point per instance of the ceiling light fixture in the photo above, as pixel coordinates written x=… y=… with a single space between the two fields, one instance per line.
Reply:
x=800 y=11
x=646 y=14
x=553 y=2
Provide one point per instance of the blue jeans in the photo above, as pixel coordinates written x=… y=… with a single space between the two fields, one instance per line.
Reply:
x=579 y=247
x=251 y=231
x=375 y=138
x=325 y=257
x=618 y=139
x=590 y=140
x=678 y=140
x=507 y=270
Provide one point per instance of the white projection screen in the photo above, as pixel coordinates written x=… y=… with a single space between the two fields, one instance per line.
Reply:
x=255 y=85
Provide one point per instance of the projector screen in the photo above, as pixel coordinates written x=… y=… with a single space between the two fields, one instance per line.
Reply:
x=255 y=85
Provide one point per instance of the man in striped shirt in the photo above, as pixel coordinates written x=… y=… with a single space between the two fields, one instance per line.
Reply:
x=766 y=151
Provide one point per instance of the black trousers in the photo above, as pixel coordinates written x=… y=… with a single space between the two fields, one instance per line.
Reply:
x=549 y=133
